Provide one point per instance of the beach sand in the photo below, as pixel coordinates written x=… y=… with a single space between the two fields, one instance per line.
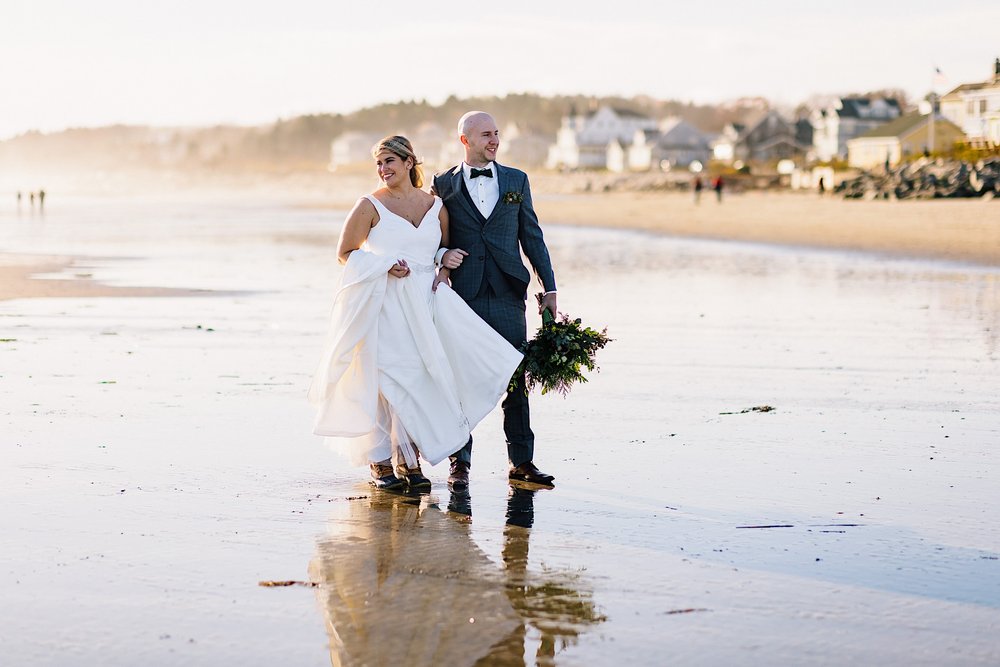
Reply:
x=159 y=465
x=959 y=230
x=949 y=229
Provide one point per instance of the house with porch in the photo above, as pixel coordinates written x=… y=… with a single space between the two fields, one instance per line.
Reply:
x=975 y=107
x=846 y=118
x=583 y=140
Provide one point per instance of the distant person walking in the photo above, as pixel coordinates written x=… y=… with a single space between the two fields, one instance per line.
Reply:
x=31 y=198
x=822 y=186
x=18 y=201
x=717 y=186
x=41 y=200
x=697 y=189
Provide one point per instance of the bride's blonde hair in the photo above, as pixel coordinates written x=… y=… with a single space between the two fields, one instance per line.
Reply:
x=401 y=147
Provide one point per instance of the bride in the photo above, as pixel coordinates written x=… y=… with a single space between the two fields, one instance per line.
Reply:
x=408 y=369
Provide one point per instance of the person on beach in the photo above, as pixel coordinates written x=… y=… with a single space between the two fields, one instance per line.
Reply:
x=697 y=189
x=717 y=186
x=492 y=221
x=409 y=369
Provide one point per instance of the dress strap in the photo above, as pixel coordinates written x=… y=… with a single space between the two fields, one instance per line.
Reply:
x=375 y=202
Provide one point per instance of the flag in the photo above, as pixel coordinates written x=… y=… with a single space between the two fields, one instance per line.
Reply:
x=939 y=81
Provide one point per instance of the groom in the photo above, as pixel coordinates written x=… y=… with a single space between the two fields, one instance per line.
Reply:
x=491 y=220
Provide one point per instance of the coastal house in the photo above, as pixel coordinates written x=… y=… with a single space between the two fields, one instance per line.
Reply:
x=351 y=148
x=897 y=139
x=675 y=143
x=583 y=140
x=768 y=136
x=975 y=107
x=845 y=119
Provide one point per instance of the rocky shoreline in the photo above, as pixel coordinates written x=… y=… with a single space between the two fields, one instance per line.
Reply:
x=927 y=179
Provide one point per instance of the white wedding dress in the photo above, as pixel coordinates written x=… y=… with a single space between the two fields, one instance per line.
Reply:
x=405 y=368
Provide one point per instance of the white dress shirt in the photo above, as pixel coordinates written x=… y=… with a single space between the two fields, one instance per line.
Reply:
x=485 y=192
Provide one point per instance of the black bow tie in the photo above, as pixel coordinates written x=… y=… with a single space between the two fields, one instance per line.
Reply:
x=476 y=173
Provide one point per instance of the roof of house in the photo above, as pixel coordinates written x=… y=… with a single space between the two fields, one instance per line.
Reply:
x=852 y=107
x=970 y=87
x=900 y=126
x=628 y=113
x=683 y=135
x=618 y=111
x=757 y=119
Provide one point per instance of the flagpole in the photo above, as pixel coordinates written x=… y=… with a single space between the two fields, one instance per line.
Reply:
x=938 y=84
x=930 y=117
x=930 y=129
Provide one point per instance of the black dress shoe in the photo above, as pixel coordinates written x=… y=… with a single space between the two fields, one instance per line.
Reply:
x=458 y=475
x=384 y=479
x=527 y=472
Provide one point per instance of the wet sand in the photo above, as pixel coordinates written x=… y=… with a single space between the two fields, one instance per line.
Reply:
x=27 y=276
x=159 y=465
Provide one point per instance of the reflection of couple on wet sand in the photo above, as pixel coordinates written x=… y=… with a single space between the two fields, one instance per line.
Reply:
x=430 y=313
x=403 y=583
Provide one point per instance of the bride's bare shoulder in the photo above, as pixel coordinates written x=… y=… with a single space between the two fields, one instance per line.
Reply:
x=364 y=210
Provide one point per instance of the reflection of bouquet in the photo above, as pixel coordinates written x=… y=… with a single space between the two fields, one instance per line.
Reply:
x=557 y=355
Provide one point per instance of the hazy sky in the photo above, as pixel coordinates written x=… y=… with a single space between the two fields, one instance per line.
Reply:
x=95 y=62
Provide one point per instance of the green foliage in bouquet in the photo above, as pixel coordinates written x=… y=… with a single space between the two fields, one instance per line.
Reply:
x=555 y=358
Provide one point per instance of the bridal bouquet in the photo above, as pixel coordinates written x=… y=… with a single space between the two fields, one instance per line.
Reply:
x=556 y=356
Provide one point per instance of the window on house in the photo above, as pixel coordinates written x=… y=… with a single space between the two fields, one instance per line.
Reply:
x=982 y=106
x=971 y=108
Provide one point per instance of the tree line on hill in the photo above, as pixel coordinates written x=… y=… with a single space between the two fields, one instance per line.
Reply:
x=303 y=142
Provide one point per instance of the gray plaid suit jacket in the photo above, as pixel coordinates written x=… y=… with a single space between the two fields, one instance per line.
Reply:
x=510 y=228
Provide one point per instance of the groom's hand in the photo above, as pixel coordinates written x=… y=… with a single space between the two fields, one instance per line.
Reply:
x=443 y=276
x=548 y=301
x=453 y=258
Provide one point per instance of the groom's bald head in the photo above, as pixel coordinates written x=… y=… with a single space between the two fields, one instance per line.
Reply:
x=479 y=135
x=472 y=120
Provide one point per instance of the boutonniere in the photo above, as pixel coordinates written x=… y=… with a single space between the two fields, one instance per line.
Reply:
x=513 y=197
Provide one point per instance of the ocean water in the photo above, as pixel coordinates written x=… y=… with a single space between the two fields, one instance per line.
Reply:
x=158 y=461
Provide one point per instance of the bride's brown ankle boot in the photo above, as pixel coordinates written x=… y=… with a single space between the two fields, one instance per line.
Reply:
x=383 y=478
x=414 y=478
